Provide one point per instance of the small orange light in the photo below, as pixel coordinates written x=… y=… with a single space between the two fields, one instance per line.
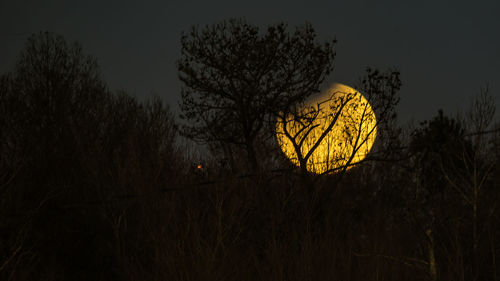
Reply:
x=199 y=167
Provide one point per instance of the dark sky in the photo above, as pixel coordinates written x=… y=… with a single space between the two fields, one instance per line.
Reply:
x=445 y=51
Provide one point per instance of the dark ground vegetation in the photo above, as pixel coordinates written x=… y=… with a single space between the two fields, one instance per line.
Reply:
x=94 y=186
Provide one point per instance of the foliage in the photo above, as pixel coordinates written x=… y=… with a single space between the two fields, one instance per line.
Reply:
x=435 y=143
x=234 y=76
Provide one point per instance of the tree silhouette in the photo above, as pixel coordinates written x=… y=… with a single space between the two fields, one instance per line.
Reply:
x=92 y=187
x=438 y=141
x=308 y=126
x=69 y=150
x=235 y=75
x=454 y=193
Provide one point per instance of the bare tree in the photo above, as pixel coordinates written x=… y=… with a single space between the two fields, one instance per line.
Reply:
x=71 y=154
x=455 y=198
x=234 y=75
x=470 y=176
x=41 y=104
x=309 y=126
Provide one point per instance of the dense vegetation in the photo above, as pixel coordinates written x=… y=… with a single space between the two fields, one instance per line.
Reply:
x=94 y=185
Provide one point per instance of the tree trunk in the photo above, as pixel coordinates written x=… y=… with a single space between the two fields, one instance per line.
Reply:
x=252 y=158
x=432 y=257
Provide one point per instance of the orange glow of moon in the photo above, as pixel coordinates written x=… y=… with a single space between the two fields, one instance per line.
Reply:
x=346 y=140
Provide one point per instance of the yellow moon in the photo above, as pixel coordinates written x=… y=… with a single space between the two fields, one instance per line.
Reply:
x=339 y=125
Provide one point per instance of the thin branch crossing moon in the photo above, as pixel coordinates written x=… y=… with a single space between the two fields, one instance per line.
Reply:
x=333 y=130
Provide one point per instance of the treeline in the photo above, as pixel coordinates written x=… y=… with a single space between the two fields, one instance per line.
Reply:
x=95 y=185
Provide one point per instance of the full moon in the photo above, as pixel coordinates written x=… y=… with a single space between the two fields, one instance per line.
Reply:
x=333 y=130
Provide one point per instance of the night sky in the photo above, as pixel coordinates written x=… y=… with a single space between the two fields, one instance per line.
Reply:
x=445 y=51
